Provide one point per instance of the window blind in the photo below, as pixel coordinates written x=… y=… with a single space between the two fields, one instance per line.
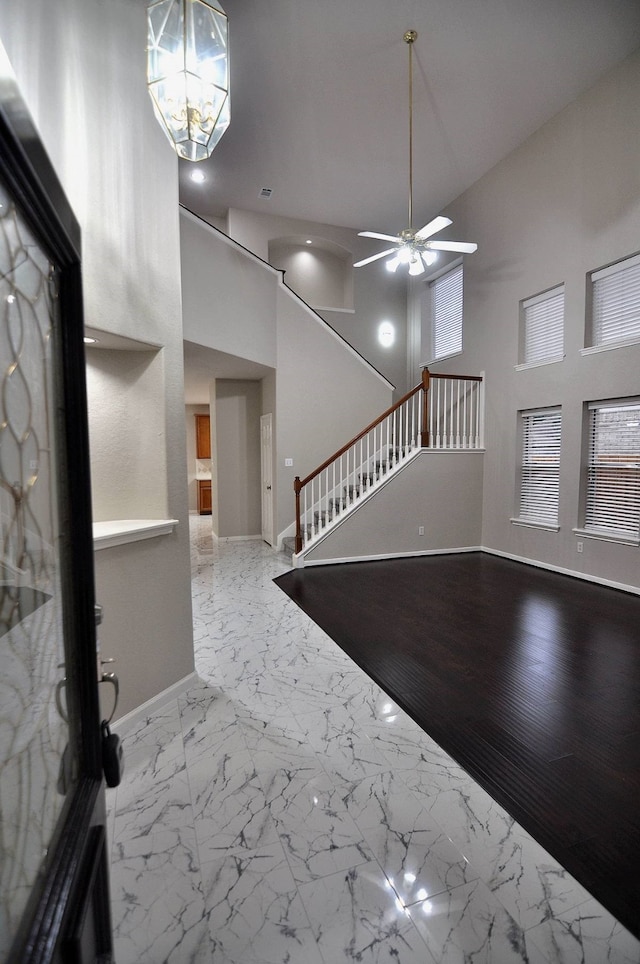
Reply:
x=613 y=476
x=446 y=313
x=616 y=302
x=544 y=326
x=540 y=475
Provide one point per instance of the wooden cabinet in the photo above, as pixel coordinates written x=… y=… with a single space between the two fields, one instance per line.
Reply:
x=203 y=437
x=203 y=451
x=204 y=496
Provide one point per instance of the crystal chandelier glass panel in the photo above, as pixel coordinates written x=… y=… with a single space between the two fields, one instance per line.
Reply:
x=188 y=73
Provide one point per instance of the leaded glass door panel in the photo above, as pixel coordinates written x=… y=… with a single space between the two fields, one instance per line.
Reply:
x=54 y=901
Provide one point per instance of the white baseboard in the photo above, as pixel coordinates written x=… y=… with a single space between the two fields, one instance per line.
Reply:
x=129 y=720
x=239 y=538
x=300 y=562
x=303 y=563
x=585 y=576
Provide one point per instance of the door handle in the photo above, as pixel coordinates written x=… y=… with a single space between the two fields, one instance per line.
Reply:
x=268 y=488
x=115 y=682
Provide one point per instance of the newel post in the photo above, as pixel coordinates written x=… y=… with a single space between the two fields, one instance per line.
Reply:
x=297 y=486
x=425 y=408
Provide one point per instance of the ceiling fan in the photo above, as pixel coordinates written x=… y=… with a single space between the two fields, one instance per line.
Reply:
x=414 y=248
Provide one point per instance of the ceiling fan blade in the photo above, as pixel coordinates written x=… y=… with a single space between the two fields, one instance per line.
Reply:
x=381 y=237
x=467 y=247
x=433 y=227
x=381 y=254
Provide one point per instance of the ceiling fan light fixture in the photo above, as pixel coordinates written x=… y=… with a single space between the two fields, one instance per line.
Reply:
x=414 y=248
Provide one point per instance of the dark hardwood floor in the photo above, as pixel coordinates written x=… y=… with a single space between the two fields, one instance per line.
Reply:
x=530 y=680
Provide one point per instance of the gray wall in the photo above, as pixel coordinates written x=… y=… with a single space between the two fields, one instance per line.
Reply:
x=238 y=407
x=377 y=295
x=324 y=397
x=229 y=298
x=441 y=491
x=322 y=392
x=120 y=383
x=81 y=67
x=563 y=204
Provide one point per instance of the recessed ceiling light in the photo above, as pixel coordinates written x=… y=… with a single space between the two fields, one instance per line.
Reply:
x=88 y=340
x=309 y=241
x=197 y=176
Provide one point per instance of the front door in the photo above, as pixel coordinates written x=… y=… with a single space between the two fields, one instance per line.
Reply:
x=54 y=893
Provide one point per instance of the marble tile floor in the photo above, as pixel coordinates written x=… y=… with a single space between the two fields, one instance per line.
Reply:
x=284 y=811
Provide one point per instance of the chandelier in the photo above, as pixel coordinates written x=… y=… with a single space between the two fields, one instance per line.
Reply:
x=188 y=73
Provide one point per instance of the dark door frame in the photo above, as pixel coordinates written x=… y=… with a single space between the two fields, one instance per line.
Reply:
x=59 y=915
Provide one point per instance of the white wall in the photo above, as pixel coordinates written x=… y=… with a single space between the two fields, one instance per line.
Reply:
x=565 y=203
x=81 y=67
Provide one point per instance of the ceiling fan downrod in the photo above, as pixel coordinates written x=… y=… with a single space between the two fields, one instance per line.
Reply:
x=414 y=248
x=409 y=38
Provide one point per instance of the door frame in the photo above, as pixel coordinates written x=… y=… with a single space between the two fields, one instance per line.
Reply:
x=266 y=477
x=54 y=918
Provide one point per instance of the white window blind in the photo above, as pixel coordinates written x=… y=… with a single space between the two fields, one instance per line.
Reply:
x=544 y=326
x=616 y=302
x=446 y=313
x=613 y=476
x=540 y=475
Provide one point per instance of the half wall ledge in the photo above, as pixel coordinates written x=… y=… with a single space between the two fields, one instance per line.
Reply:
x=121 y=531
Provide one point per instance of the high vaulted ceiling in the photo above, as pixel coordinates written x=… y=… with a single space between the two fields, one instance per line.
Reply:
x=319 y=99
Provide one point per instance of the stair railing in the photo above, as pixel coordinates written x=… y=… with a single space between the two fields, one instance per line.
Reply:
x=448 y=417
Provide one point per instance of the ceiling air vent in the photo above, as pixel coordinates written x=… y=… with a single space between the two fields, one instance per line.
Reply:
x=266 y=192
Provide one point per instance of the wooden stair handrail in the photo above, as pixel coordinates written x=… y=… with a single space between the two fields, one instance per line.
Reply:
x=298 y=485
x=461 y=378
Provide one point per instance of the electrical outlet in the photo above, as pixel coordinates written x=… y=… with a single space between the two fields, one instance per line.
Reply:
x=288 y=463
x=420 y=530
x=579 y=546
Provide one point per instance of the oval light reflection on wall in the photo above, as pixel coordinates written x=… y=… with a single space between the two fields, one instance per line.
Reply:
x=386 y=334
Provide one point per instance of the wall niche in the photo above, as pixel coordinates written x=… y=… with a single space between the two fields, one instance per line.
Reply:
x=319 y=271
x=127 y=428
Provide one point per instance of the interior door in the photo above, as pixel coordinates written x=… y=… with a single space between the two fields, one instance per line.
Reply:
x=266 y=432
x=54 y=893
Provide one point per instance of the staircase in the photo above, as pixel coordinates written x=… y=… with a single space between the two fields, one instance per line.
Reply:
x=447 y=414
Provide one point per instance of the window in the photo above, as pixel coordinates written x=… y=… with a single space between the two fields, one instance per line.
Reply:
x=613 y=472
x=540 y=472
x=542 y=326
x=446 y=313
x=616 y=303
